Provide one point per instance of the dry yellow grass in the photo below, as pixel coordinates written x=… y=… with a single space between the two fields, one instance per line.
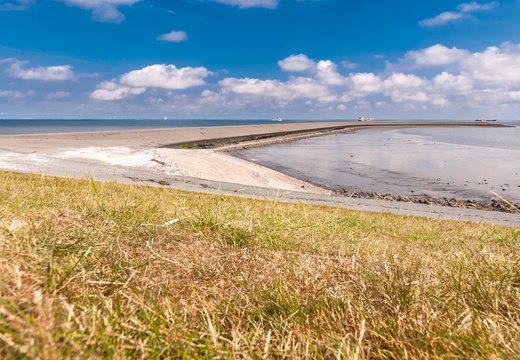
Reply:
x=98 y=270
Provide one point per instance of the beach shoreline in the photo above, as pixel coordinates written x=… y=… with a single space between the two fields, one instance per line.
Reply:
x=146 y=156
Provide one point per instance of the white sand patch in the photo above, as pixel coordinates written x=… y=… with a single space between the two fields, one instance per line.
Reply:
x=202 y=164
x=123 y=156
x=8 y=166
x=20 y=161
x=38 y=158
x=218 y=166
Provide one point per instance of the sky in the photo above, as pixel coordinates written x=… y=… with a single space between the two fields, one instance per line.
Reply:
x=256 y=59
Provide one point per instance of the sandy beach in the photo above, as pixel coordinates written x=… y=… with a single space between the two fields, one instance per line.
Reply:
x=146 y=157
x=143 y=154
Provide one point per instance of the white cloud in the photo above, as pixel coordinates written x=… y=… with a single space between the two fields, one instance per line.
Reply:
x=400 y=80
x=441 y=19
x=251 y=86
x=456 y=79
x=495 y=66
x=166 y=77
x=297 y=63
x=103 y=10
x=112 y=91
x=174 y=36
x=269 y=4
x=20 y=5
x=449 y=83
x=155 y=76
x=514 y=95
x=462 y=13
x=326 y=72
x=42 y=73
x=436 y=55
x=348 y=64
x=364 y=83
x=280 y=92
x=16 y=94
x=474 y=6
x=487 y=78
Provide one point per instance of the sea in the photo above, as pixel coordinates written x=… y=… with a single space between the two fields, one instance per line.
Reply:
x=452 y=162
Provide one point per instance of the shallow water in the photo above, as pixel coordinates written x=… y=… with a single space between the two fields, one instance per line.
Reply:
x=466 y=163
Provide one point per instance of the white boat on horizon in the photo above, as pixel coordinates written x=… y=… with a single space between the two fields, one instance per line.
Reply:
x=362 y=118
x=277 y=119
x=486 y=120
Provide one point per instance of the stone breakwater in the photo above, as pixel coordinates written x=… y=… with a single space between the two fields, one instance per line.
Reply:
x=495 y=205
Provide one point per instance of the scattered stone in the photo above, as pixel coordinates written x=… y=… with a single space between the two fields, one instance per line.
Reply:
x=496 y=205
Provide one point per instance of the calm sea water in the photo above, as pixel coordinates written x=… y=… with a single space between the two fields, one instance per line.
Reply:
x=466 y=163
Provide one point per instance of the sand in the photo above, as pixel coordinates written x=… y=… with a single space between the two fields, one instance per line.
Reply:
x=141 y=156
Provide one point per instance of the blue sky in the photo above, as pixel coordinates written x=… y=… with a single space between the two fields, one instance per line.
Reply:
x=311 y=59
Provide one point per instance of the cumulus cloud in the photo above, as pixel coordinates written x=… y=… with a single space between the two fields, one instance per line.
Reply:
x=318 y=89
x=16 y=94
x=328 y=87
x=362 y=83
x=154 y=76
x=113 y=91
x=42 y=73
x=103 y=10
x=455 y=79
x=494 y=66
x=295 y=88
x=174 y=36
x=297 y=63
x=497 y=65
x=448 y=83
x=269 y=4
x=326 y=73
x=464 y=79
x=249 y=93
x=166 y=77
x=400 y=81
x=463 y=12
x=436 y=55
x=19 y=5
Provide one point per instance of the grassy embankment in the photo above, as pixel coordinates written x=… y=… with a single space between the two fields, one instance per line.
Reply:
x=87 y=270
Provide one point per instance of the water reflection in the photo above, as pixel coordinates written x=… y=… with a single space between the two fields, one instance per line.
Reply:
x=439 y=162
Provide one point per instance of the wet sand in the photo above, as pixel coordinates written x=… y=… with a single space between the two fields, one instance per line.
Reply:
x=444 y=166
x=143 y=156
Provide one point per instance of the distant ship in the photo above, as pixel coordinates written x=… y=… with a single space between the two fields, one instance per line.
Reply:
x=486 y=120
x=362 y=118
x=276 y=119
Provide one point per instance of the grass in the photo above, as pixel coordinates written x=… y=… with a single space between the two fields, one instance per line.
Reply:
x=89 y=270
